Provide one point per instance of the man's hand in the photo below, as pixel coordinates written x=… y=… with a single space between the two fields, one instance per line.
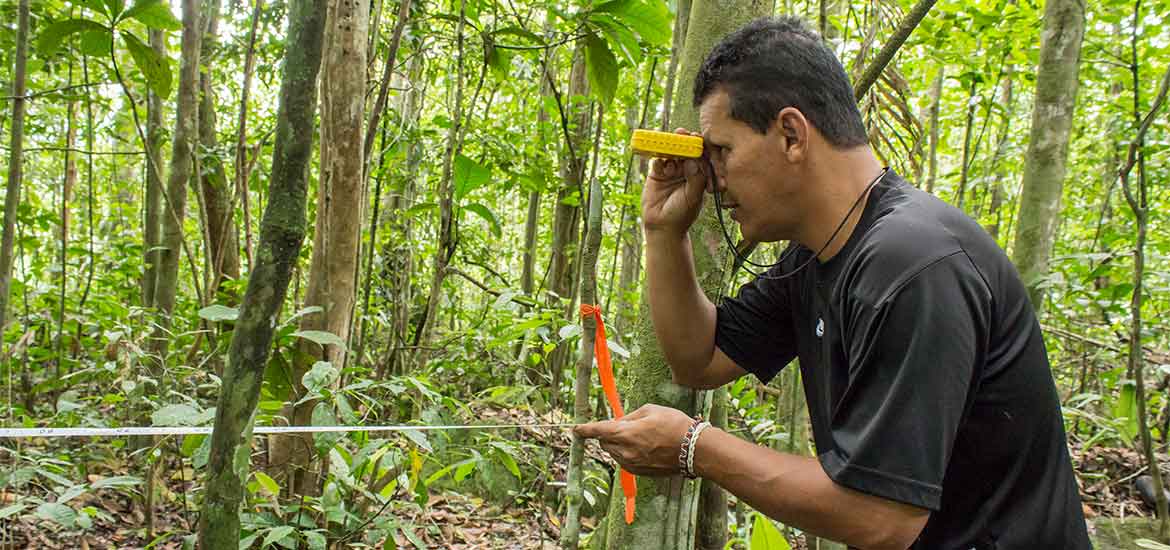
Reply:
x=645 y=442
x=673 y=194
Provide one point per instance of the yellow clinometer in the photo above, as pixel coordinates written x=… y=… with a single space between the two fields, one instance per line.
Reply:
x=653 y=143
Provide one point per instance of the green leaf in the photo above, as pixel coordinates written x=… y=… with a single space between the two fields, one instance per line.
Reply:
x=1125 y=411
x=420 y=208
x=115 y=482
x=487 y=215
x=649 y=18
x=323 y=416
x=57 y=513
x=156 y=68
x=216 y=313
x=267 y=483
x=96 y=42
x=765 y=536
x=190 y=444
x=465 y=469
x=320 y=376
x=316 y=540
x=154 y=14
x=419 y=439
x=1151 y=544
x=114 y=7
x=321 y=337
x=12 y=509
x=277 y=533
x=179 y=414
x=620 y=37
x=601 y=67
x=53 y=35
x=469 y=175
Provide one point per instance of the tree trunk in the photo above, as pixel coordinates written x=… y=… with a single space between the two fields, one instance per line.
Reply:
x=567 y=219
x=667 y=507
x=15 y=174
x=1007 y=100
x=935 y=100
x=183 y=150
x=968 y=133
x=336 y=236
x=281 y=234
x=581 y=411
x=223 y=237
x=446 y=237
x=152 y=220
x=682 y=18
x=1044 y=165
x=711 y=530
x=243 y=165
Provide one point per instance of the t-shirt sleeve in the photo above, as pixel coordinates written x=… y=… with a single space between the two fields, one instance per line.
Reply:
x=754 y=328
x=912 y=362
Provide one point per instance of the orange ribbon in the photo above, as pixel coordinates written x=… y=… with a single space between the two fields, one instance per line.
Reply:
x=609 y=386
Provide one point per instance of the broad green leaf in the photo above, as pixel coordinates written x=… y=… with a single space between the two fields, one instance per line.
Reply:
x=601 y=67
x=53 y=35
x=419 y=438
x=156 y=68
x=620 y=38
x=649 y=18
x=617 y=349
x=469 y=175
x=216 y=313
x=57 y=513
x=765 y=536
x=190 y=444
x=115 y=7
x=155 y=14
x=12 y=509
x=277 y=533
x=267 y=483
x=316 y=540
x=115 y=482
x=320 y=376
x=321 y=337
x=323 y=416
x=569 y=331
x=96 y=42
x=488 y=216
x=179 y=414
x=465 y=469
x=71 y=493
x=1151 y=544
x=420 y=208
x=1125 y=409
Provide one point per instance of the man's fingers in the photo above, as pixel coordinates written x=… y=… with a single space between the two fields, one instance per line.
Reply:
x=596 y=430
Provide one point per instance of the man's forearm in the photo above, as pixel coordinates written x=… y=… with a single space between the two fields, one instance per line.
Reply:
x=684 y=319
x=796 y=491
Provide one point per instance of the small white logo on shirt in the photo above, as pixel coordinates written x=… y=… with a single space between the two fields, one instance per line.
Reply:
x=820 y=327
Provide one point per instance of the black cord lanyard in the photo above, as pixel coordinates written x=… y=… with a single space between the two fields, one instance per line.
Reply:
x=763 y=275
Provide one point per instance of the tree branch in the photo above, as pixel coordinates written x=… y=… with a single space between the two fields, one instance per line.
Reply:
x=891 y=47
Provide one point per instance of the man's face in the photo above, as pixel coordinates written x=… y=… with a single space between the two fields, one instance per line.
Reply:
x=751 y=171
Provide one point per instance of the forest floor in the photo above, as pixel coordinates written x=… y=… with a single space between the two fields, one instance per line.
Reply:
x=460 y=521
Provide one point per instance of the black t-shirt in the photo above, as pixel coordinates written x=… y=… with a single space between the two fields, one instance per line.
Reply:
x=925 y=373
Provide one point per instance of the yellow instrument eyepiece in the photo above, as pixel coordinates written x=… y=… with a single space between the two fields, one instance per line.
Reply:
x=652 y=143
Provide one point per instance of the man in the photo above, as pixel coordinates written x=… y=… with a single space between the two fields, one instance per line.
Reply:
x=935 y=416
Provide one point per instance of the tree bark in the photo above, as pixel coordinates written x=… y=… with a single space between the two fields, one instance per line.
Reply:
x=1044 y=164
x=968 y=133
x=1007 y=100
x=935 y=100
x=152 y=218
x=336 y=236
x=223 y=237
x=567 y=218
x=183 y=150
x=667 y=507
x=281 y=234
x=242 y=164
x=15 y=166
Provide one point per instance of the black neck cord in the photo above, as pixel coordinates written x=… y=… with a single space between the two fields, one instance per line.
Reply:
x=763 y=275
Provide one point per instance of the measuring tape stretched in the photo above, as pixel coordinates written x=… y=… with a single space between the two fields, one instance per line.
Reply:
x=14 y=433
x=609 y=386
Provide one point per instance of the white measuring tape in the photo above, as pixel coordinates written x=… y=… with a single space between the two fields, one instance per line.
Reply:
x=13 y=433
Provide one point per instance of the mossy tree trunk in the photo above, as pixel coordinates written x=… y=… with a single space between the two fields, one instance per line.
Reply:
x=667 y=507
x=1045 y=162
x=282 y=231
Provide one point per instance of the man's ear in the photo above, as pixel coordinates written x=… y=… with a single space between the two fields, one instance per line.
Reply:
x=794 y=133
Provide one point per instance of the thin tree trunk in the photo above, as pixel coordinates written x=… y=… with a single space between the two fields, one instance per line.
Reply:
x=67 y=185
x=152 y=215
x=682 y=19
x=336 y=236
x=1007 y=100
x=1045 y=162
x=222 y=235
x=567 y=218
x=935 y=100
x=711 y=529
x=446 y=248
x=968 y=132
x=15 y=162
x=581 y=412
x=241 y=163
x=183 y=150
x=281 y=234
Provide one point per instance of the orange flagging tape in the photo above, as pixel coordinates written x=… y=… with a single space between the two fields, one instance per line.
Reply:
x=609 y=386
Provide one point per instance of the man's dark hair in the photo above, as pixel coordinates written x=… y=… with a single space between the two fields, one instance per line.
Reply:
x=777 y=62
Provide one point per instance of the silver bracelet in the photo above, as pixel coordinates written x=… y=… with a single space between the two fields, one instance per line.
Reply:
x=694 y=439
